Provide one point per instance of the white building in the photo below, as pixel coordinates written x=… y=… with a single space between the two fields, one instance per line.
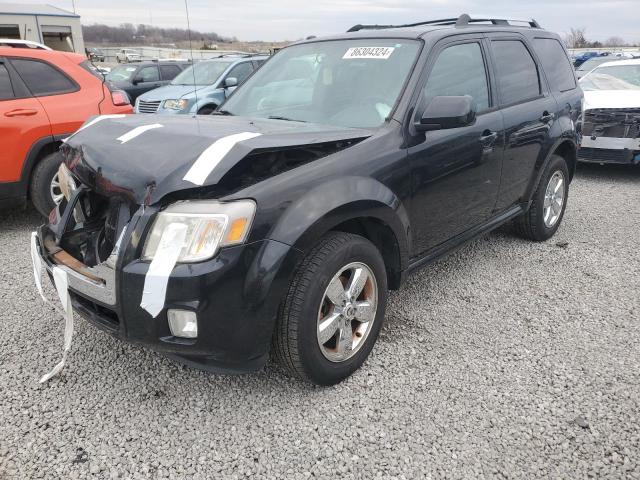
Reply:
x=56 y=28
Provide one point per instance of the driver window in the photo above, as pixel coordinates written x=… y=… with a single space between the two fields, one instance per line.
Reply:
x=241 y=72
x=149 y=74
x=459 y=70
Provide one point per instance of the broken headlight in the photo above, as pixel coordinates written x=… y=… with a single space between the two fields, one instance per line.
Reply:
x=209 y=226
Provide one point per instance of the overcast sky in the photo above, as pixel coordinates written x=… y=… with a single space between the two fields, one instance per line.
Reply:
x=292 y=19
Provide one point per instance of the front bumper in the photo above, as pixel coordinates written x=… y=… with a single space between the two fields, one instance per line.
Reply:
x=235 y=295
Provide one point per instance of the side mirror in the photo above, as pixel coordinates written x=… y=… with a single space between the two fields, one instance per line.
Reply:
x=230 y=82
x=136 y=80
x=447 y=112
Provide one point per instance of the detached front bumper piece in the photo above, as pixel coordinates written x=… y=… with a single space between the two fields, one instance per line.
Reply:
x=235 y=297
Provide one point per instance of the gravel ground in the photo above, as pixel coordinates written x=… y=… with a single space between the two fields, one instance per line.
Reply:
x=506 y=359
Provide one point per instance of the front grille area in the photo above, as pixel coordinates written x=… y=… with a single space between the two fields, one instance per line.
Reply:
x=94 y=312
x=605 y=155
x=612 y=122
x=148 y=107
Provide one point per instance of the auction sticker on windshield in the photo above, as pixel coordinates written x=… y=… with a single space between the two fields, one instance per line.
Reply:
x=369 y=52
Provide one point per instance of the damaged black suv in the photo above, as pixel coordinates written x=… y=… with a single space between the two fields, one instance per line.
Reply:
x=279 y=223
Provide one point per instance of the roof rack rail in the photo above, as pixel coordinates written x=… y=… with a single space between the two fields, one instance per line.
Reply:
x=461 y=21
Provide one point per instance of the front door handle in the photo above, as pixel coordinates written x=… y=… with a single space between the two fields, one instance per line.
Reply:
x=547 y=117
x=488 y=138
x=21 y=112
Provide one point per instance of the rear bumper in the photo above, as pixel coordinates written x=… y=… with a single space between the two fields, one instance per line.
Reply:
x=235 y=295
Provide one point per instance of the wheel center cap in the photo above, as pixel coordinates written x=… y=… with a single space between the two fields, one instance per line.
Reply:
x=349 y=311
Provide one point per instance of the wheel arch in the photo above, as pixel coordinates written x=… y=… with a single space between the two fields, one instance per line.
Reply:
x=359 y=205
x=40 y=149
x=566 y=148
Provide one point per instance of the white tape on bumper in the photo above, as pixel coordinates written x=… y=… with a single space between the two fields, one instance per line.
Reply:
x=130 y=135
x=61 y=283
x=157 y=277
x=212 y=156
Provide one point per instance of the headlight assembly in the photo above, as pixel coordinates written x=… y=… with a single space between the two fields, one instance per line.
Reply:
x=210 y=225
x=181 y=104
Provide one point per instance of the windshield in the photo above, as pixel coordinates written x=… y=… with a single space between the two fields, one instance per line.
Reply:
x=206 y=73
x=615 y=77
x=593 y=63
x=348 y=83
x=120 y=73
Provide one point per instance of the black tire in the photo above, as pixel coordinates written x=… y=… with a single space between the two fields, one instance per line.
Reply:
x=40 y=187
x=206 y=110
x=295 y=342
x=531 y=225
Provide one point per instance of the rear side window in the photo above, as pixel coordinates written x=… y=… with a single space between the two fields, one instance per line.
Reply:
x=517 y=72
x=555 y=63
x=241 y=72
x=169 y=72
x=43 y=79
x=6 y=90
x=459 y=70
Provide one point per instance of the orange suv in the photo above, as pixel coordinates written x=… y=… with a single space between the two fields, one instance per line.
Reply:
x=44 y=97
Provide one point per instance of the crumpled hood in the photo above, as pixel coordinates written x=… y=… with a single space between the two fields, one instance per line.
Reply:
x=170 y=92
x=611 y=99
x=144 y=158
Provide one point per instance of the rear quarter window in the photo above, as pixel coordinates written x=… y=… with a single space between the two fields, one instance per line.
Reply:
x=555 y=63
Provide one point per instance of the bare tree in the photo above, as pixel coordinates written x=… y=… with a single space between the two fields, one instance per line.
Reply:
x=614 y=42
x=576 y=38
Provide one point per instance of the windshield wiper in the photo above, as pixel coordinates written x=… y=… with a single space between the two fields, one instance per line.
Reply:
x=276 y=117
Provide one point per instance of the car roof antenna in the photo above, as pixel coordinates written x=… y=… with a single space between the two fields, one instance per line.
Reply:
x=193 y=65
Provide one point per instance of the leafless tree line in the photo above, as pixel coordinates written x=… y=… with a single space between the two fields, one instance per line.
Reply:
x=576 y=38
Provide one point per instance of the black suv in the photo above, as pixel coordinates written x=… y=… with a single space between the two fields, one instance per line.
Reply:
x=281 y=222
x=140 y=77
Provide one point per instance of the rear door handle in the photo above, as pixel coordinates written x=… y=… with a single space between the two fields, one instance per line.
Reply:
x=547 y=117
x=21 y=112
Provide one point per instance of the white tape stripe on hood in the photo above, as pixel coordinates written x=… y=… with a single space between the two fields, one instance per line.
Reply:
x=130 y=135
x=213 y=155
x=99 y=118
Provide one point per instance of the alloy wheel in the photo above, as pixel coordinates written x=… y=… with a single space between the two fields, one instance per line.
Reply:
x=347 y=312
x=554 y=199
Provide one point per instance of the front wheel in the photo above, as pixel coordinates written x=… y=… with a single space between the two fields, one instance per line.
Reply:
x=45 y=190
x=333 y=312
x=543 y=218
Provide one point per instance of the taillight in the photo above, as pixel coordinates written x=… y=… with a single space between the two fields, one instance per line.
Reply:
x=120 y=98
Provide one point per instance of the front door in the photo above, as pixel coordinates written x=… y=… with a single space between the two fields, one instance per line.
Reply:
x=456 y=172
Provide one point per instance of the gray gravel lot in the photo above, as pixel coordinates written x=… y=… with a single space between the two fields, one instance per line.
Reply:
x=507 y=359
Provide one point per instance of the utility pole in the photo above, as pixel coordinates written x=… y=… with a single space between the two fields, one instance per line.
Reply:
x=73 y=4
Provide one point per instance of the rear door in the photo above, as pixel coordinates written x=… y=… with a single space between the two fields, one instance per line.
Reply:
x=456 y=172
x=67 y=103
x=23 y=121
x=529 y=111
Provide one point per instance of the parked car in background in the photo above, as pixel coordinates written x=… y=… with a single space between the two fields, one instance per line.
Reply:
x=128 y=55
x=45 y=96
x=201 y=88
x=281 y=222
x=592 y=63
x=611 y=115
x=95 y=54
x=138 y=78
x=580 y=58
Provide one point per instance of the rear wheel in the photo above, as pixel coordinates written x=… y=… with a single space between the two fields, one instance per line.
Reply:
x=333 y=311
x=45 y=188
x=543 y=218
